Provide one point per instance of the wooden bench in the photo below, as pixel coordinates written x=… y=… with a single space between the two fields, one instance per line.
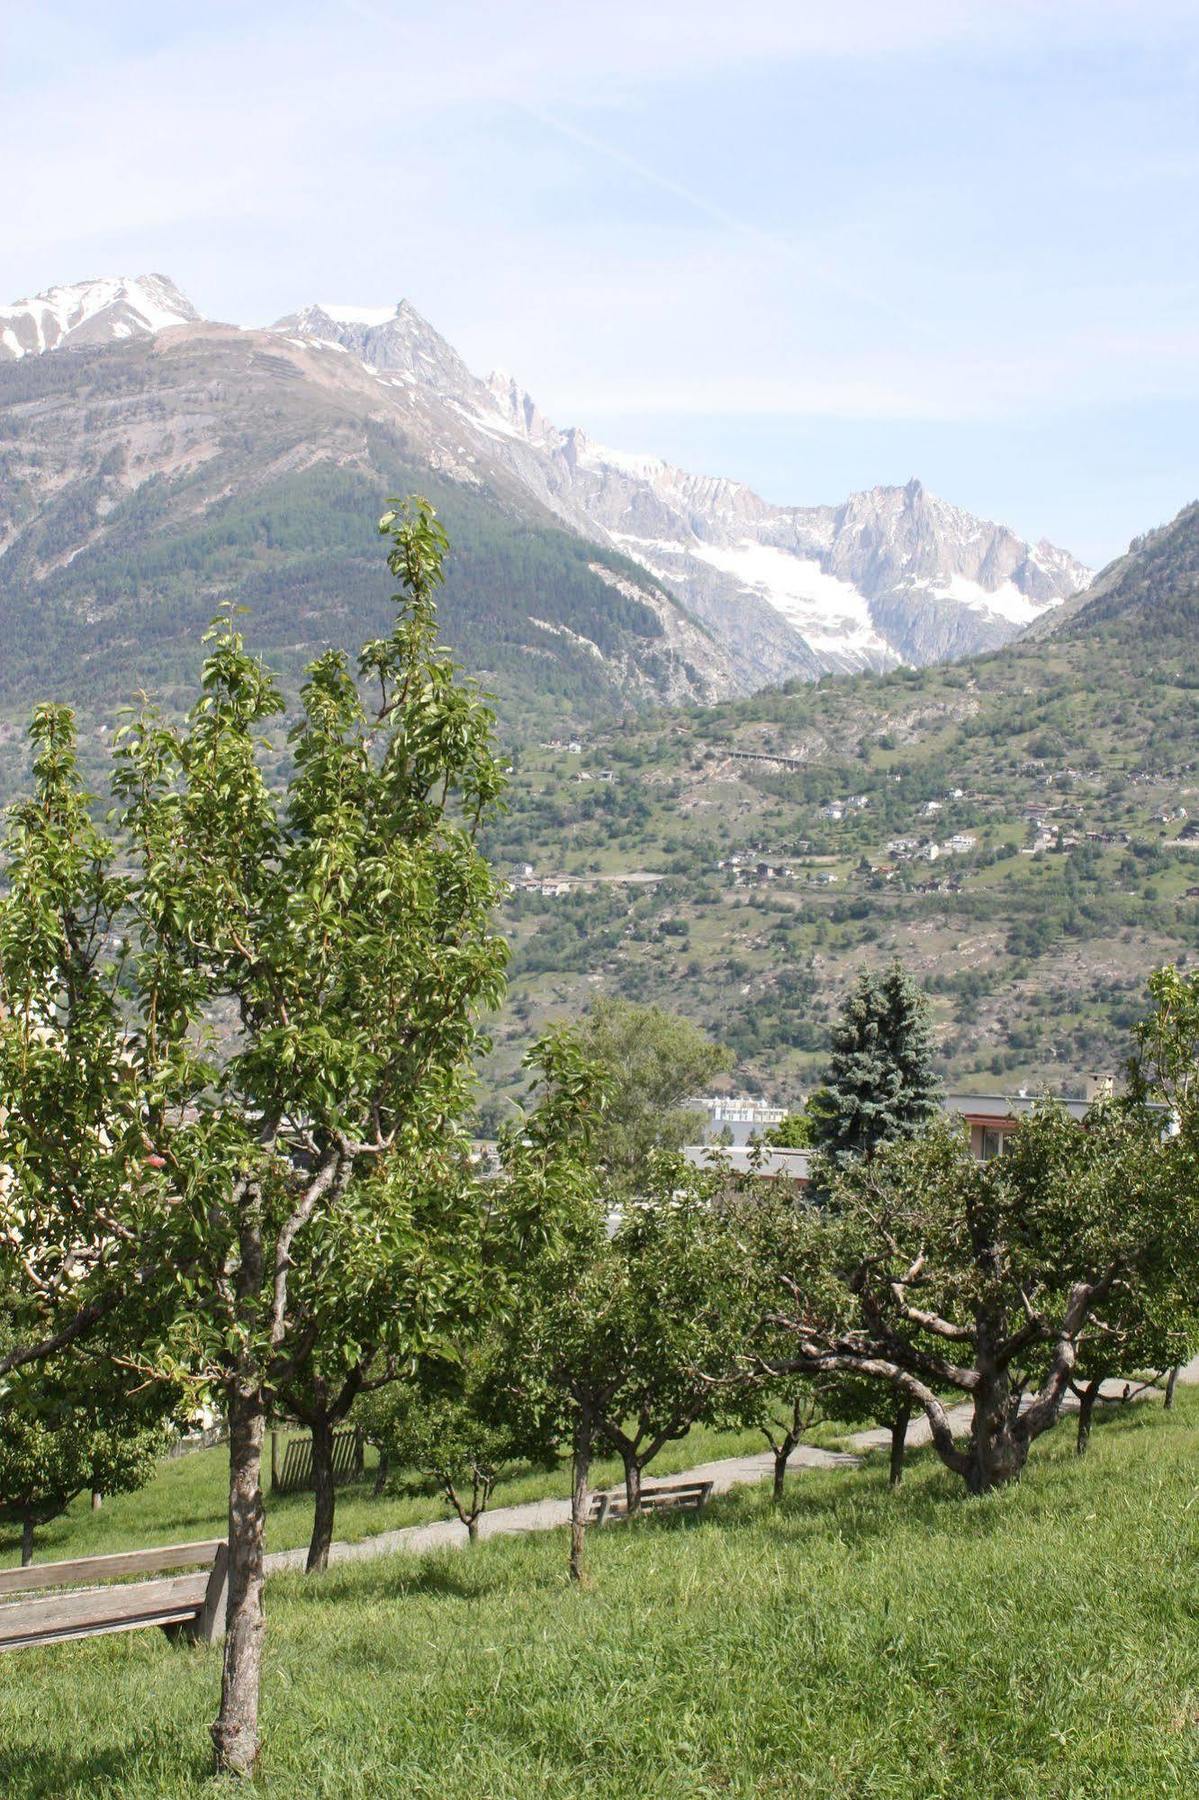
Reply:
x=188 y=1605
x=679 y=1496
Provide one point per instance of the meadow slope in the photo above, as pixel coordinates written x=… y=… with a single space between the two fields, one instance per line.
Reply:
x=1042 y=1644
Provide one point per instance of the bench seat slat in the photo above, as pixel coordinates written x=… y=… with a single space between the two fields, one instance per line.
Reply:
x=102 y=1609
x=36 y=1639
x=88 y=1569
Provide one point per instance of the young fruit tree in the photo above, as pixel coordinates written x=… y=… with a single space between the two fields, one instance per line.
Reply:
x=774 y=1230
x=681 y=1317
x=784 y=1410
x=346 y=923
x=631 y=1322
x=985 y=1278
x=72 y=1426
x=554 y=1248
x=393 y=1269
x=448 y=1422
x=81 y=1194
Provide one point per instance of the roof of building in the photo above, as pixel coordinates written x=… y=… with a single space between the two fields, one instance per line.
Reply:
x=1008 y=1106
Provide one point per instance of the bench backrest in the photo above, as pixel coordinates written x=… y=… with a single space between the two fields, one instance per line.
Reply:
x=85 y=1571
x=294 y=1473
x=194 y=1603
x=666 y=1497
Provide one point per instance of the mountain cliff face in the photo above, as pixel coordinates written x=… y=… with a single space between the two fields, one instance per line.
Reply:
x=164 y=463
x=891 y=575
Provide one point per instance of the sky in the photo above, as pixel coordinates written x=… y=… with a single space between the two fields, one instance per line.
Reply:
x=812 y=246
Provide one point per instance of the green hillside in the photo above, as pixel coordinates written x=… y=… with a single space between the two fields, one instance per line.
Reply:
x=1069 y=761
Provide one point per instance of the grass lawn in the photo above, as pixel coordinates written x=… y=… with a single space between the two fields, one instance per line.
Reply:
x=1043 y=1643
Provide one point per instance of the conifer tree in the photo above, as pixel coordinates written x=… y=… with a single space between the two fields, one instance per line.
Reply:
x=880 y=1084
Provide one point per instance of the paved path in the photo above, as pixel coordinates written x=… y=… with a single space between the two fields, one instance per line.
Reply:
x=729 y=1472
x=545 y=1515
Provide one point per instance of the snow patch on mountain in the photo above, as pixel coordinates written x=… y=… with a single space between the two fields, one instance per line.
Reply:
x=92 y=312
x=831 y=615
x=641 y=466
x=1005 y=601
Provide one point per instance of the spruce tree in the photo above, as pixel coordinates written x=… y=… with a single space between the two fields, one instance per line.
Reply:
x=880 y=1084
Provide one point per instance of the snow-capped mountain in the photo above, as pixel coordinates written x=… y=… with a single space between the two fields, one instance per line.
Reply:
x=92 y=312
x=891 y=575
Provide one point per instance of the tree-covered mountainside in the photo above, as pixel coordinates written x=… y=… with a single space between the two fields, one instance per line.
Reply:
x=1151 y=592
x=1022 y=830
x=144 y=483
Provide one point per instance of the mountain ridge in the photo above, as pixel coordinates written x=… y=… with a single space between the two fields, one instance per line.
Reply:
x=734 y=592
x=1146 y=588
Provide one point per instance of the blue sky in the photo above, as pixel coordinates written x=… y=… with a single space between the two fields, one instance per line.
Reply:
x=813 y=246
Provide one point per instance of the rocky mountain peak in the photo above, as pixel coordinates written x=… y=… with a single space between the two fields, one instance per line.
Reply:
x=397 y=340
x=518 y=409
x=100 y=311
x=891 y=574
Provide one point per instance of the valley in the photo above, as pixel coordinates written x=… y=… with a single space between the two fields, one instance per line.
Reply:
x=751 y=746
x=1021 y=830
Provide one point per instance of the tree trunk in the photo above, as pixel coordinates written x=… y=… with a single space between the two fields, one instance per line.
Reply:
x=782 y=1456
x=1171 y=1384
x=900 y=1419
x=235 y=1733
x=382 y=1474
x=325 y=1499
x=579 y=1497
x=472 y=1528
x=997 y=1452
x=1086 y=1409
x=632 y=1483
x=26 y=1540
x=97 y=1499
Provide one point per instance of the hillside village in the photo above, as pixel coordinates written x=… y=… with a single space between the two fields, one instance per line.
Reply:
x=1020 y=824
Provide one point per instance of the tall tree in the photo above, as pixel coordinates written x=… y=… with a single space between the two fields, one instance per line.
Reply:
x=880 y=1084
x=347 y=922
x=344 y=925
x=655 y=1062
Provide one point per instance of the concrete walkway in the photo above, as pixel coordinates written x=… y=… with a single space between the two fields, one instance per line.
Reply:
x=729 y=1472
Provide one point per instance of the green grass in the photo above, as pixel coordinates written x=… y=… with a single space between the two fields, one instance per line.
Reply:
x=188 y=1499
x=1040 y=1645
